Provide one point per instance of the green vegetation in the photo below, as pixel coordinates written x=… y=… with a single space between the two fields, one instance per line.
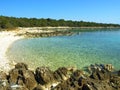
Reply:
x=12 y=22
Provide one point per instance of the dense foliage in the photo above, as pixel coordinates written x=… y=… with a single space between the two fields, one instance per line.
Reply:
x=12 y=22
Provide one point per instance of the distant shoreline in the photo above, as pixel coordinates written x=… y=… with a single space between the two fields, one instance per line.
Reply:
x=51 y=28
x=54 y=31
x=64 y=27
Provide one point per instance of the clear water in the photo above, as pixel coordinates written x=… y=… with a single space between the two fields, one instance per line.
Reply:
x=78 y=50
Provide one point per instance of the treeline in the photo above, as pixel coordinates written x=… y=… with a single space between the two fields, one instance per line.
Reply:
x=12 y=22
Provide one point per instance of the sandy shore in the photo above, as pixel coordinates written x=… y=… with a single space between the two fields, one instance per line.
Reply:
x=6 y=39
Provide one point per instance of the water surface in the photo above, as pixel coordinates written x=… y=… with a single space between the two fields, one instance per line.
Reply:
x=79 y=50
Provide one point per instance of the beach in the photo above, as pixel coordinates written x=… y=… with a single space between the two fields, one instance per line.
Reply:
x=9 y=37
x=6 y=39
x=17 y=75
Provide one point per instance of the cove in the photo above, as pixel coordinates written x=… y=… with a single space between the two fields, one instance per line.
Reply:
x=78 y=50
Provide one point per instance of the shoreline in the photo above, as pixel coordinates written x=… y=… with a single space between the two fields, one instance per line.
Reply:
x=6 y=40
x=9 y=37
x=62 y=28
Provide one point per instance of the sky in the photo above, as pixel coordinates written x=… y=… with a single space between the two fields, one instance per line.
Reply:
x=101 y=11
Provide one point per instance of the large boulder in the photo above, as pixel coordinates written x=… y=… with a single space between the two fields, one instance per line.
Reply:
x=30 y=81
x=13 y=76
x=44 y=75
x=20 y=76
x=61 y=74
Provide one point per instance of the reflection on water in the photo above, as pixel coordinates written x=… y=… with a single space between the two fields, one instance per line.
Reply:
x=79 y=50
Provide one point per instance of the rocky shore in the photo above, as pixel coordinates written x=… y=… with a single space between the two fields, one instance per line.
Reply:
x=34 y=32
x=42 y=32
x=101 y=77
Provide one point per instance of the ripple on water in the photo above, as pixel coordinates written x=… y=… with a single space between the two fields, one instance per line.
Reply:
x=79 y=50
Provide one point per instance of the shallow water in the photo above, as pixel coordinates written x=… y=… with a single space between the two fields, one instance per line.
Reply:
x=78 y=50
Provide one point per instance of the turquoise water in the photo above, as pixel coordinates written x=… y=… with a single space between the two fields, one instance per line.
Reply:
x=78 y=50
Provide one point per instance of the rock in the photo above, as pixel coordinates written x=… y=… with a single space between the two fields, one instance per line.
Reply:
x=94 y=75
x=81 y=81
x=21 y=66
x=4 y=85
x=87 y=87
x=91 y=84
x=21 y=77
x=17 y=87
x=13 y=76
x=77 y=74
x=30 y=81
x=100 y=71
x=100 y=75
x=62 y=86
x=39 y=87
x=44 y=75
x=119 y=73
x=71 y=69
x=109 y=67
x=98 y=67
x=115 y=82
x=21 y=81
x=61 y=74
x=71 y=83
x=3 y=76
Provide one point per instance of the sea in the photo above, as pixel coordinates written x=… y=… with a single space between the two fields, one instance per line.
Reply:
x=81 y=49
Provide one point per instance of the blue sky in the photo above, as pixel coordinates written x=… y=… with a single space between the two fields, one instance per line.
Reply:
x=104 y=11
